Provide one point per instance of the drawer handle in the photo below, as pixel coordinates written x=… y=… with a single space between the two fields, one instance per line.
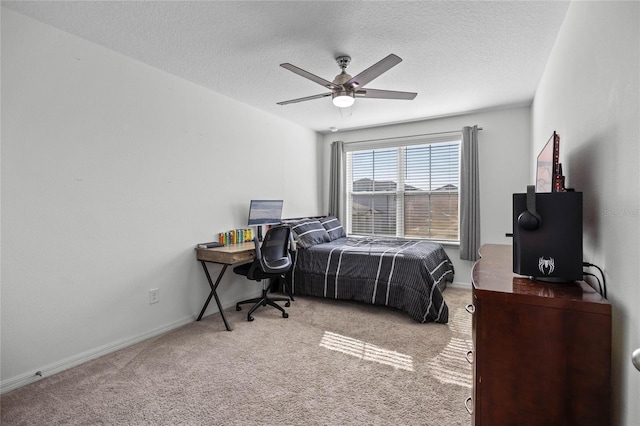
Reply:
x=470 y=308
x=467 y=357
x=635 y=358
x=466 y=405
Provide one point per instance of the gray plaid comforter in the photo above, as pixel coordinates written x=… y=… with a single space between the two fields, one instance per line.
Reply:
x=405 y=274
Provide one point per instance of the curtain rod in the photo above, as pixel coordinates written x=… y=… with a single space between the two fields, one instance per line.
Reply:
x=410 y=136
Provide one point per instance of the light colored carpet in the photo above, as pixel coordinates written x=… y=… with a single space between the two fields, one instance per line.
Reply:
x=329 y=363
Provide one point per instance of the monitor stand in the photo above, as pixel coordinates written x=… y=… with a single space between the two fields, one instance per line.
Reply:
x=259 y=232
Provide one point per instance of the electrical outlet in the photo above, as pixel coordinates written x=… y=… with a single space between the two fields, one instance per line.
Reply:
x=154 y=296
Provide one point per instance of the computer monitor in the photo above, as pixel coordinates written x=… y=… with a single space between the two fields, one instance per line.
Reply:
x=264 y=212
x=548 y=166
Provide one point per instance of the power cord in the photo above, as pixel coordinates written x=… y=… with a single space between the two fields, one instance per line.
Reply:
x=603 y=291
x=597 y=279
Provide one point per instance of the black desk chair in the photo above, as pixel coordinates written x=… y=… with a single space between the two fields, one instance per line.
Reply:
x=273 y=261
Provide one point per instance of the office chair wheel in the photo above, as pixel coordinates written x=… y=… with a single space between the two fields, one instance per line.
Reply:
x=287 y=304
x=238 y=308
x=249 y=318
x=285 y=315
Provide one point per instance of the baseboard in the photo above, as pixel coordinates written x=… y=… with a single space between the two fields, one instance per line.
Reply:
x=75 y=360
x=466 y=286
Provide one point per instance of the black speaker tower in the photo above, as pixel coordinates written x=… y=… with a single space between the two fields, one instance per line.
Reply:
x=547 y=235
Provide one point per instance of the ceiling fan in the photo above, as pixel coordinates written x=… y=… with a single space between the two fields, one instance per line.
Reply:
x=344 y=88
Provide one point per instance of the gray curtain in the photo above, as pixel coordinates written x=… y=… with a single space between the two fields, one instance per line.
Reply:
x=469 y=195
x=336 y=181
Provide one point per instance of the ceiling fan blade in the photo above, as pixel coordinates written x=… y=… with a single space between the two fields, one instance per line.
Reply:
x=385 y=94
x=374 y=71
x=308 y=98
x=306 y=74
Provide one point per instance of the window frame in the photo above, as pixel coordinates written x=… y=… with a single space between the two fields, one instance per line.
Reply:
x=401 y=143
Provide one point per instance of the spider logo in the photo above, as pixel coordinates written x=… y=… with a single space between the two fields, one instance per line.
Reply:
x=546 y=266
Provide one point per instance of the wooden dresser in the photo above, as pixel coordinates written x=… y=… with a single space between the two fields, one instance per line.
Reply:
x=542 y=351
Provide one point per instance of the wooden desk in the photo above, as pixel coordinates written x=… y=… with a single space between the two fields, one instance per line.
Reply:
x=227 y=255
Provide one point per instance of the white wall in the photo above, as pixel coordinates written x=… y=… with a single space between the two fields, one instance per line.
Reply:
x=504 y=156
x=112 y=171
x=589 y=94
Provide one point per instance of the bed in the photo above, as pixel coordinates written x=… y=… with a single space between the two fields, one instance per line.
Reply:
x=409 y=275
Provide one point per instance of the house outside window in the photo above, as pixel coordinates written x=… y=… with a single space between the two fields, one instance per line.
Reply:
x=404 y=188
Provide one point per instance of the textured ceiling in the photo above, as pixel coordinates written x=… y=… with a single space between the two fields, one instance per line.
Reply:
x=458 y=56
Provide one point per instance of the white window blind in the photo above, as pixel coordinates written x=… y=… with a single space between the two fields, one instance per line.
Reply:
x=404 y=188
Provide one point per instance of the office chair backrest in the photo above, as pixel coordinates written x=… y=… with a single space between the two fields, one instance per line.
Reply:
x=273 y=255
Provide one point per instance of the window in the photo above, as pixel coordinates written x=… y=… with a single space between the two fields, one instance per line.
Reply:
x=404 y=188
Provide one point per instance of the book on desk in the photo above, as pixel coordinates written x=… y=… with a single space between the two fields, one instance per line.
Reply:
x=212 y=244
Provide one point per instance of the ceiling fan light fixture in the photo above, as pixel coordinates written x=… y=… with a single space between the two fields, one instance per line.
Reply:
x=343 y=98
x=344 y=88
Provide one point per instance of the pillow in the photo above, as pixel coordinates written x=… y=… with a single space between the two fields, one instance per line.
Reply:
x=333 y=226
x=309 y=232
